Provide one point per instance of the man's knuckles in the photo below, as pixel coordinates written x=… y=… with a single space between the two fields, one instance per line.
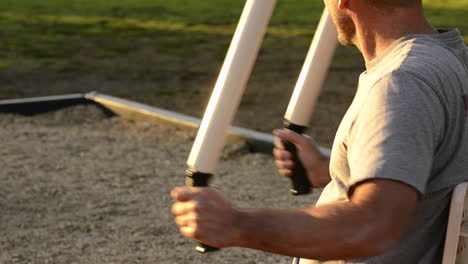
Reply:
x=193 y=229
x=189 y=232
x=287 y=164
x=193 y=206
x=184 y=194
x=191 y=220
x=177 y=209
x=280 y=154
x=181 y=222
x=286 y=172
x=175 y=193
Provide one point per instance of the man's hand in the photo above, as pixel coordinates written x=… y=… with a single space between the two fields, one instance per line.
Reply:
x=204 y=214
x=315 y=164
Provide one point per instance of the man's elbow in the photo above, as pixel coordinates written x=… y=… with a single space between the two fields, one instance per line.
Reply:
x=383 y=221
x=380 y=239
x=380 y=247
x=362 y=242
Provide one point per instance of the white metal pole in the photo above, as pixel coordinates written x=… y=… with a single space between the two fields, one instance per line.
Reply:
x=230 y=85
x=226 y=95
x=313 y=73
x=307 y=91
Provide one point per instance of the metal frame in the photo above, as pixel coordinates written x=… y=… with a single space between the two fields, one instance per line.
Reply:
x=456 y=238
x=111 y=105
x=37 y=105
x=236 y=70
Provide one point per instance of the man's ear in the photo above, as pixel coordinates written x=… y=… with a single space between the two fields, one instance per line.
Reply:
x=343 y=4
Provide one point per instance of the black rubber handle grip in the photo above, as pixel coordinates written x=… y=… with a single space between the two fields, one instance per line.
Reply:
x=203 y=248
x=299 y=180
x=199 y=179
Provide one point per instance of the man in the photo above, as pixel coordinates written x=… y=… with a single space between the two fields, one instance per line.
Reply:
x=399 y=151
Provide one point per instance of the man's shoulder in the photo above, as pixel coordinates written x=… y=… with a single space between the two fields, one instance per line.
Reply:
x=438 y=66
x=427 y=54
x=438 y=56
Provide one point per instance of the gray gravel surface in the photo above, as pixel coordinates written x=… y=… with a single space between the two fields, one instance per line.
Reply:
x=78 y=187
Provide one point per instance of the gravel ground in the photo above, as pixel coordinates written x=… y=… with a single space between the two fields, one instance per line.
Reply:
x=78 y=187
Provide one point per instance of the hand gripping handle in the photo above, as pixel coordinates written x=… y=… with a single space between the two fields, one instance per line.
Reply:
x=300 y=182
x=199 y=179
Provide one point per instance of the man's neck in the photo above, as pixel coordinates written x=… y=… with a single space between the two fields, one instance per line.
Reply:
x=375 y=34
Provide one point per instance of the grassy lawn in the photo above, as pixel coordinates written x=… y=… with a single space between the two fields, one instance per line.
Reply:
x=168 y=53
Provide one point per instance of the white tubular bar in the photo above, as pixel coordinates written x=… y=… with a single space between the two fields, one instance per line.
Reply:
x=230 y=85
x=313 y=72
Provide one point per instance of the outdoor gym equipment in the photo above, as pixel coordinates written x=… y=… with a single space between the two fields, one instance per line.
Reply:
x=227 y=92
x=231 y=84
x=307 y=91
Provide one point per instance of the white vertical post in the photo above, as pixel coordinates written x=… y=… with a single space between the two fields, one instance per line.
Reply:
x=307 y=91
x=230 y=85
x=313 y=73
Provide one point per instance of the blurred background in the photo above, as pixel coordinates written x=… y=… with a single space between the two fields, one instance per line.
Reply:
x=168 y=54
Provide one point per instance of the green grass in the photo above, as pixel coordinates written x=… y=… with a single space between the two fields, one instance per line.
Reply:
x=52 y=32
x=219 y=12
x=48 y=31
x=168 y=53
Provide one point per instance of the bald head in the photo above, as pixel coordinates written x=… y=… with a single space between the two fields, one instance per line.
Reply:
x=394 y=3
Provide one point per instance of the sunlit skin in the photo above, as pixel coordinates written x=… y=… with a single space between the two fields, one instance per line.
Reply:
x=372 y=28
x=368 y=224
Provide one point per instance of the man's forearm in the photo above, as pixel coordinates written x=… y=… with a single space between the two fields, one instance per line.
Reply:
x=368 y=224
x=335 y=231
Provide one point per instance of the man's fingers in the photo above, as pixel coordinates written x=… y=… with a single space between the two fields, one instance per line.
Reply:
x=301 y=141
x=192 y=199
x=183 y=194
x=282 y=154
x=188 y=231
x=188 y=220
x=288 y=135
x=182 y=221
x=181 y=208
x=180 y=194
x=198 y=232
x=287 y=164
x=278 y=142
x=285 y=172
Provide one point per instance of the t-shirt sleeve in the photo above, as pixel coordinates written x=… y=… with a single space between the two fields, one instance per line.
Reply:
x=396 y=133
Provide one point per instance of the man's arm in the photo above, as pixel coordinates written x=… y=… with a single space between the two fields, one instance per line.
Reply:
x=369 y=224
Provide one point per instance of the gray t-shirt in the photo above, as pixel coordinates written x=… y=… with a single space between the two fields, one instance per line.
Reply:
x=408 y=122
